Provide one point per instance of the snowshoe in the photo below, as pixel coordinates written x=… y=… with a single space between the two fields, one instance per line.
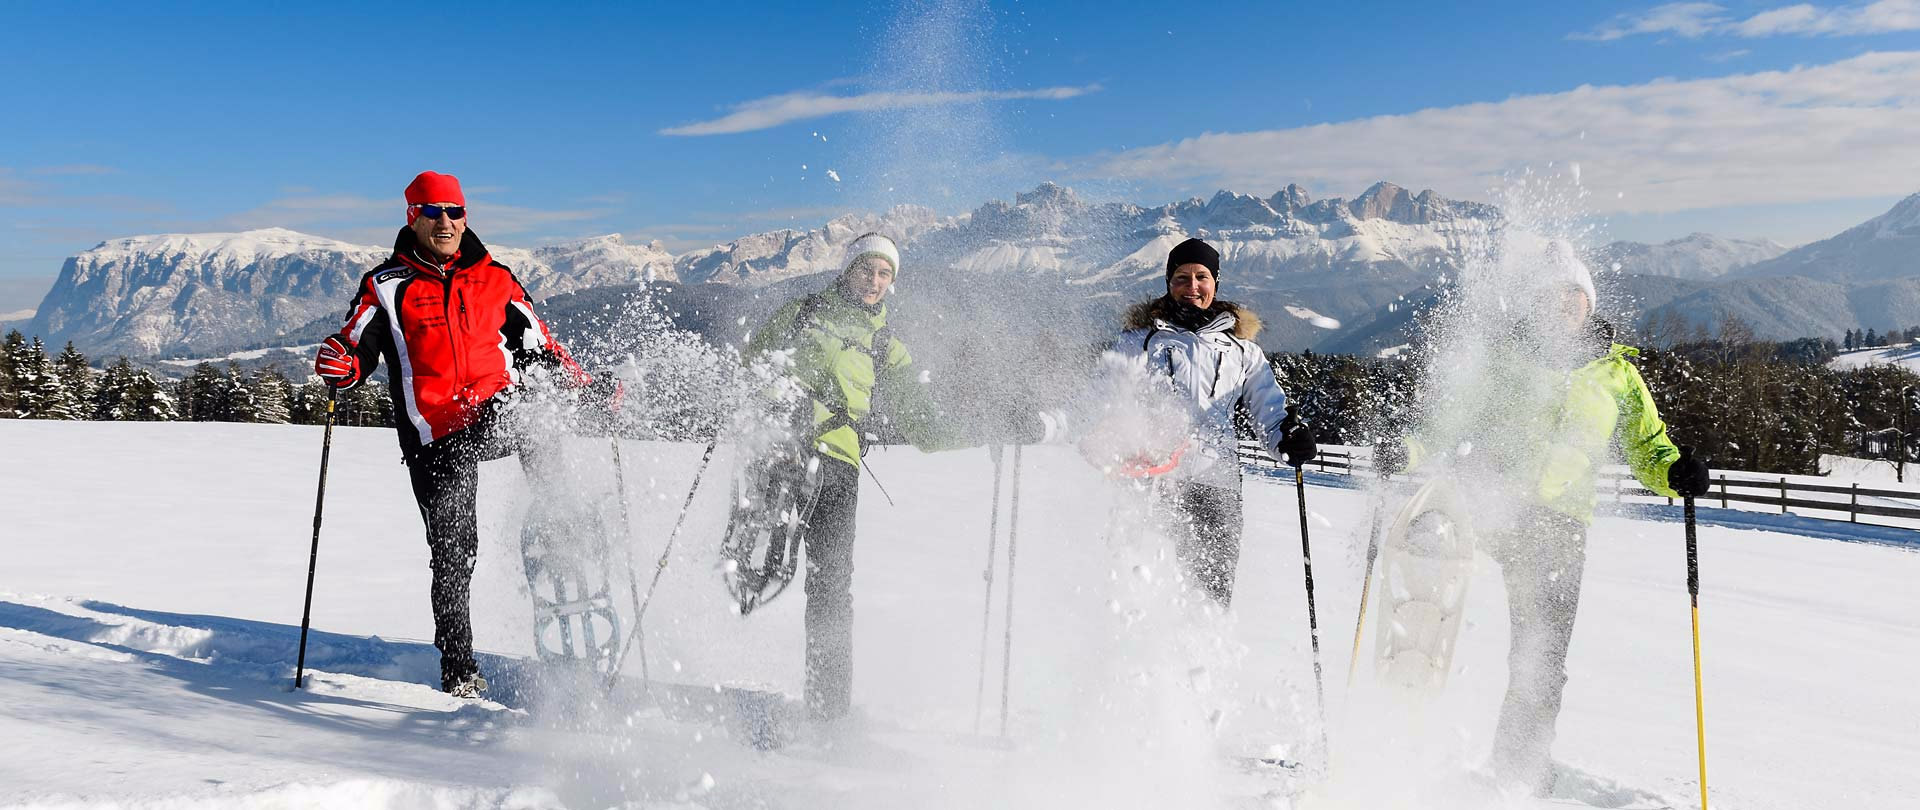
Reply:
x=1426 y=564
x=772 y=500
x=574 y=617
x=564 y=548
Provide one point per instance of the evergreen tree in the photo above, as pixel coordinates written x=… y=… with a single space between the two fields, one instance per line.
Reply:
x=76 y=381
x=148 y=401
x=39 y=394
x=1873 y=338
x=271 y=395
x=1849 y=341
x=199 y=394
x=12 y=351
x=110 y=391
x=237 y=403
x=127 y=394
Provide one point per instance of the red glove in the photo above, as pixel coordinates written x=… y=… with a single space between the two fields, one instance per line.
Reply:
x=336 y=363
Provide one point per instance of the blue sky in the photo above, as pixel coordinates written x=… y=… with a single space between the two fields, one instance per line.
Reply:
x=699 y=122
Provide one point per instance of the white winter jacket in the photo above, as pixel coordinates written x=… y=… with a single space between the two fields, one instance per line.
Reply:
x=1212 y=370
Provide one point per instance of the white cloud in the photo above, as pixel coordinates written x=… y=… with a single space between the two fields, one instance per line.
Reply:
x=773 y=111
x=1874 y=18
x=1686 y=19
x=1695 y=20
x=1840 y=130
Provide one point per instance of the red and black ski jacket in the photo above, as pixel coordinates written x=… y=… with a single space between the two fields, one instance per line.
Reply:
x=453 y=334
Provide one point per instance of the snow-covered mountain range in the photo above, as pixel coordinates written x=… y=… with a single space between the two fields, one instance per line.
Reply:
x=1885 y=247
x=153 y=295
x=1348 y=260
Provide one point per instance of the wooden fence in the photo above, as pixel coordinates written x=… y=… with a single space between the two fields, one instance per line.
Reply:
x=1725 y=491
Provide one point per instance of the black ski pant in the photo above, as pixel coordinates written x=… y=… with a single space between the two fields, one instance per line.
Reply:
x=829 y=587
x=446 y=477
x=1206 y=522
x=1542 y=562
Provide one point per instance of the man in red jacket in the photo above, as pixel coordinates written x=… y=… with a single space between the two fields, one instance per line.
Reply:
x=458 y=334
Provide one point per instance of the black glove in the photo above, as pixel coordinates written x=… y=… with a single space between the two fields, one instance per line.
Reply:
x=1688 y=475
x=605 y=394
x=1296 y=440
x=1390 y=456
x=1030 y=427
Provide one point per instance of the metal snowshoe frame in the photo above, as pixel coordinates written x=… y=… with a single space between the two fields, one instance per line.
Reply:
x=774 y=499
x=574 y=615
x=1430 y=537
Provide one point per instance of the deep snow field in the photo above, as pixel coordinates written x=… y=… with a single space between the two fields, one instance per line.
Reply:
x=150 y=600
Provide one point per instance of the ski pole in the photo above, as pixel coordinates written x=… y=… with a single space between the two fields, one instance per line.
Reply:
x=313 y=555
x=626 y=535
x=1693 y=593
x=1013 y=540
x=1366 y=582
x=998 y=454
x=634 y=636
x=1313 y=623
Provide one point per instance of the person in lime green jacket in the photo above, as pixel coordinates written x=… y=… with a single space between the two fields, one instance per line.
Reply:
x=858 y=382
x=1534 y=437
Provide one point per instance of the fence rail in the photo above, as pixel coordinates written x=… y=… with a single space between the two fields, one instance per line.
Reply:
x=1726 y=490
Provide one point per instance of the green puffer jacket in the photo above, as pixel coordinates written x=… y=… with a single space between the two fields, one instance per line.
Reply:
x=834 y=362
x=1604 y=399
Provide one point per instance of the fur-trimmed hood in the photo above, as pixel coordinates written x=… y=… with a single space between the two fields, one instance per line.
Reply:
x=1246 y=324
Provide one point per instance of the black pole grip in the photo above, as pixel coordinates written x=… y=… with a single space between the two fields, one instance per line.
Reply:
x=1693 y=553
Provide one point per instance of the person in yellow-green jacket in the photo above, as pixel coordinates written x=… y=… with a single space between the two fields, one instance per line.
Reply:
x=856 y=381
x=1535 y=437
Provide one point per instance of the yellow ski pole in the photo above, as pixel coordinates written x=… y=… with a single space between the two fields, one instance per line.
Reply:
x=1693 y=592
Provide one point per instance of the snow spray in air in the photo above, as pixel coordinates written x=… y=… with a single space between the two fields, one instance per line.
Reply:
x=1493 y=436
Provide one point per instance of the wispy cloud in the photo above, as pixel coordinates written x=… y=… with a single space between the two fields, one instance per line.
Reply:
x=1695 y=20
x=772 y=111
x=73 y=169
x=1874 y=18
x=1823 y=132
x=1685 y=19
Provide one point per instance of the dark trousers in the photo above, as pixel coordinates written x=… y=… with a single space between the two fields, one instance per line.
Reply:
x=446 y=478
x=1542 y=562
x=829 y=586
x=1205 y=523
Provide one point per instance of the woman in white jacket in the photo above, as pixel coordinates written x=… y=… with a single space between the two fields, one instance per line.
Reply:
x=1204 y=347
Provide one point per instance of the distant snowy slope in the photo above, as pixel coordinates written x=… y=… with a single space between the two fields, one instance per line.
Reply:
x=1697 y=256
x=1906 y=355
x=151 y=596
x=1887 y=246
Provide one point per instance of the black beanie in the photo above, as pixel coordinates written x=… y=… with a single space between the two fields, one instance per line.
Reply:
x=1193 y=251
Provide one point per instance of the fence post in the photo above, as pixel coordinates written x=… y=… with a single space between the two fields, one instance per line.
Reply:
x=1723 y=491
x=1853 y=504
x=1783 y=495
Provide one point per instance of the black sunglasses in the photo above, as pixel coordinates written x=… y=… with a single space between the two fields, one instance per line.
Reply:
x=434 y=211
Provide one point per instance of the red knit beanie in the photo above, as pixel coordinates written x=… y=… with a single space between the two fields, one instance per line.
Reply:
x=433 y=187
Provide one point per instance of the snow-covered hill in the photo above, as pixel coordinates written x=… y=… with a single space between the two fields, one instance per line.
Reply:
x=151 y=595
x=1697 y=256
x=1906 y=355
x=1885 y=247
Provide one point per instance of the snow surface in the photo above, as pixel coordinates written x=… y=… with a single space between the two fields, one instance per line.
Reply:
x=149 y=608
x=1906 y=355
x=299 y=352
